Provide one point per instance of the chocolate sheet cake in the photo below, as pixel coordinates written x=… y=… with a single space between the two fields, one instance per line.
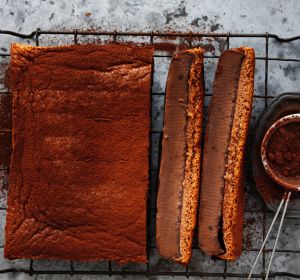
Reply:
x=181 y=153
x=222 y=191
x=79 y=169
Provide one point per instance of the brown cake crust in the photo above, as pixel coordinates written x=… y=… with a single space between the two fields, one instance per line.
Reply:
x=181 y=152
x=79 y=169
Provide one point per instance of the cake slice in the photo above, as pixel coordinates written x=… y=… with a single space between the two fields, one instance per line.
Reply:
x=179 y=174
x=79 y=169
x=221 y=207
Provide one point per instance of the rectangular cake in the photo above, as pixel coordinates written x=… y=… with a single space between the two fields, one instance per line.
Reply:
x=79 y=168
x=221 y=206
x=179 y=175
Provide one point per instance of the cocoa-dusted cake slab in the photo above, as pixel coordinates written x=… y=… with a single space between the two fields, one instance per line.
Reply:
x=79 y=169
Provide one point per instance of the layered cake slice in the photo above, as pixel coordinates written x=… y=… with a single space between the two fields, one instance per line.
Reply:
x=79 y=168
x=221 y=207
x=179 y=175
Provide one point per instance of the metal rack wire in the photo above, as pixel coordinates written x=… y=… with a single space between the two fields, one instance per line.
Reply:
x=109 y=271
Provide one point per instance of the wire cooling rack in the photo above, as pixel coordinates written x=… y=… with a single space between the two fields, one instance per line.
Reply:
x=220 y=269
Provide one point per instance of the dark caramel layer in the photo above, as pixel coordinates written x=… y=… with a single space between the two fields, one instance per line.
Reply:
x=215 y=153
x=173 y=157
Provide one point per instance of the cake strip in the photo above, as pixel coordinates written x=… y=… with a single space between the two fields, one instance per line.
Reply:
x=180 y=160
x=221 y=209
x=234 y=196
x=79 y=172
x=218 y=131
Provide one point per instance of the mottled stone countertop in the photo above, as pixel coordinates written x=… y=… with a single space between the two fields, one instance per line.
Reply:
x=275 y=16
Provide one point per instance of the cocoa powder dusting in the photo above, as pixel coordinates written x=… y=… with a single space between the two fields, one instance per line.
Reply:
x=283 y=150
x=81 y=104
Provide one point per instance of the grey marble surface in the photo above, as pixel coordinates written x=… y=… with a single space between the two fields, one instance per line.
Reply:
x=256 y=16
